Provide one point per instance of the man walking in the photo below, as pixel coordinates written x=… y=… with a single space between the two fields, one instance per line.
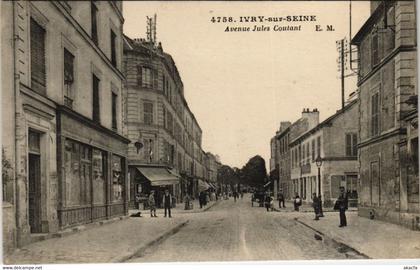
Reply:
x=342 y=205
x=316 y=205
x=152 y=204
x=280 y=197
x=167 y=201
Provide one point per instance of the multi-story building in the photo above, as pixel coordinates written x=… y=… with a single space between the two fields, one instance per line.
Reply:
x=212 y=168
x=388 y=147
x=335 y=141
x=274 y=165
x=62 y=129
x=282 y=137
x=308 y=121
x=166 y=139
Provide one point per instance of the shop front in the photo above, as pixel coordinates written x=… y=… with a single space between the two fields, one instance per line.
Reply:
x=145 y=179
x=93 y=180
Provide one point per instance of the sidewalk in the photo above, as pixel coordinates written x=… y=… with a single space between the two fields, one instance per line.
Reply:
x=114 y=242
x=179 y=209
x=373 y=238
x=305 y=207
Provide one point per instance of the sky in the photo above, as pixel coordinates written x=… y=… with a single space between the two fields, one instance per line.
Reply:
x=241 y=85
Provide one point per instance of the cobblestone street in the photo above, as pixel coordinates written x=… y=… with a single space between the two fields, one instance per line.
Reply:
x=233 y=231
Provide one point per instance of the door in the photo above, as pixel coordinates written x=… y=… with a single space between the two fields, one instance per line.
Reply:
x=35 y=193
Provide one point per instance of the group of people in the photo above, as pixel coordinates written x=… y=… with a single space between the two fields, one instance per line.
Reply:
x=341 y=204
x=166 y=202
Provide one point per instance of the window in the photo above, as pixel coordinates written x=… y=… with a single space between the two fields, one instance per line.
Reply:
x=164 y=117
x=114 y=110
x=38 y=70
x=145 y=77
x=94 y=18
x=95 y=100
x=351 y=144
x=313 y=150
x=308 y=157
x=375 y=114
x=117 y=179
x=68 y=77
x=170 y=123
x=148 y=150
x=113 y=49
x=148 y=113
x=375 y=48
x=318 y=145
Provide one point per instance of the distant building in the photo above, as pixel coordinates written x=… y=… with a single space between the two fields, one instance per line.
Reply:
x=62 y=110
x=282 y=137
x=335 y=141
x=309 y=120
x=166 y=147
x=388 y=140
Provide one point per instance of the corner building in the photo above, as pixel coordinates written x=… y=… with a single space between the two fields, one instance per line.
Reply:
x=62 y=116
x=166 y=147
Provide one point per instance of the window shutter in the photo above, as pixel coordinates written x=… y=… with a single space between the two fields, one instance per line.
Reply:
x=348 y=145
x=354 y=144
x=38 y=70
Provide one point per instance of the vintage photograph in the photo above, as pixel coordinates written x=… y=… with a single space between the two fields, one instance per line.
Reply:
x=209 y=131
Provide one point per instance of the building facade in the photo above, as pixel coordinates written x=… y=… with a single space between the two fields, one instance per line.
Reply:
x=165 y=135
x=335 y=141
x=388 y=148
x=63 y=134
x=282 y=137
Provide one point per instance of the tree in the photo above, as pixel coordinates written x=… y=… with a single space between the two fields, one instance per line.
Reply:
x=254 y=172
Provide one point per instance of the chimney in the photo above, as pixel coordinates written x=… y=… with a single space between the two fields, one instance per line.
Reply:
x=311 y=116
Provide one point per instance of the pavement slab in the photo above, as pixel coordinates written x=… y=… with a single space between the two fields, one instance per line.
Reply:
x=374 y=238
x=102 y=244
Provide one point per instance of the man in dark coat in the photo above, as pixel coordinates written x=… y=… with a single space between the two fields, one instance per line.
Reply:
x=167 y=202
x=342 y=205
x=316 y=206
x=280 y=196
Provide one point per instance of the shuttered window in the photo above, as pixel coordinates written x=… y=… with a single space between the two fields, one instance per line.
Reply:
x=351 y=144
x=94 y=22
x=95 y=100
x=114 y=110
x=375 y=114
x=68 y=77
x=375 y=48
x=38 y=70
x=113 y=49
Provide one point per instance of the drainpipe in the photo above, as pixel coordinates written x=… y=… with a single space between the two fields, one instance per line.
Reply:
x=16 y=99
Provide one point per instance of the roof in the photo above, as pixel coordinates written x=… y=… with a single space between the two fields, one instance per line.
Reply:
x=368 y=24
x=324 y=123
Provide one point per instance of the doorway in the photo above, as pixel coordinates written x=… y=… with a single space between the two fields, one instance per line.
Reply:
x=34 y=182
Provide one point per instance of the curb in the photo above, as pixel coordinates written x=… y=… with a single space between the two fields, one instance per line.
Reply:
x=310 y=211
x=141 y=249
x=217 y=202
x=338 y=245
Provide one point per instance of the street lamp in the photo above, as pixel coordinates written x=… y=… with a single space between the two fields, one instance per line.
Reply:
x=318 y=162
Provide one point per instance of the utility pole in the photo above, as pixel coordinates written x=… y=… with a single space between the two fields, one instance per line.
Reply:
x=342 y=73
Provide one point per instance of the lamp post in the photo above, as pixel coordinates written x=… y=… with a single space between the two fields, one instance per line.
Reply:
x=318 y=162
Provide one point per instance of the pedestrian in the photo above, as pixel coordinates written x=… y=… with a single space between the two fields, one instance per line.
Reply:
x=235 y=195
x=342 y=205
x=280 y=197
x=267 y=201
x=152 y=204
x=167 y=202
x=297 y=202
x=242 y=194
x=321 y=213
x=200 y=199
x=206 y=198
x=316 y=206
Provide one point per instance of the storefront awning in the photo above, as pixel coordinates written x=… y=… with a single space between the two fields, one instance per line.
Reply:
x=202 y=185
x=158 y=176
x=174 y=173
